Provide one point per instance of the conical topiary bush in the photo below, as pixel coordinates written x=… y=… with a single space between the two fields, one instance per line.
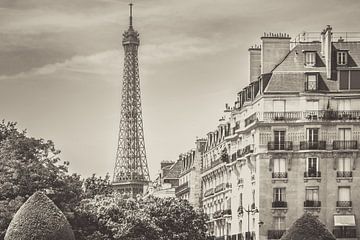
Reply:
x=39 y=218
x=308 y=227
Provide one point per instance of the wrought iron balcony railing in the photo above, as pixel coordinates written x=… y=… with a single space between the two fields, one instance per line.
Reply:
x=344 y=204
x=311 y=203
x=279 y=175
x=182 y=188
x=345 y=232
x=220 y=187
x=240 y=236
x=310 y=174
x=275 y=234
x=279 y=204
x=285 y=145
x=307 y=145
x=209 y=192
x=344 y=174
x=341 y=145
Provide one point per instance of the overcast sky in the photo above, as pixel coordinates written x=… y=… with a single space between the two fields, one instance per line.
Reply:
x=61 y=67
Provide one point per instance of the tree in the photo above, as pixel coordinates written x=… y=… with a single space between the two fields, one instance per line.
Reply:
x=29 y=165
x=308 y=227
x=113 y=217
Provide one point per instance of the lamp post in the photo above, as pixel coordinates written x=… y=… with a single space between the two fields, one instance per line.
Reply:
x=248 y=211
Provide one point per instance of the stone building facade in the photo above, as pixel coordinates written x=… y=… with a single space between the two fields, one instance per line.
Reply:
x=291 y=143
x=189 y=179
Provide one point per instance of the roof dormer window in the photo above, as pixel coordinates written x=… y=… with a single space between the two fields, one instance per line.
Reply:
x=310 y=59
x=311 y=82
x=342 y=58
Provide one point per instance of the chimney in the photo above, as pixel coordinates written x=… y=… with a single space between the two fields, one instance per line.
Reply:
x=275 y=46
x=200 y=145
x=255 y=62
x=326 y=37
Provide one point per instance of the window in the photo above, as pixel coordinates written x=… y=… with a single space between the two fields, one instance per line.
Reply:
x=310 y=58
x=349 y=79
x=279 y=165
x=279 y=195
x=312 y=167
x=312 y=194
x=344 y=105
x=279 y=140
x=342 y=58
x=311 y=84
x=344 y=194
x=313 y=134
x=344 y=134
x=279 y=223
x=344 y=165
x=312 y=107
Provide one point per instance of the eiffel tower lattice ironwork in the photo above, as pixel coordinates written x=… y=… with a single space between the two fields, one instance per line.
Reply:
x=131 y=171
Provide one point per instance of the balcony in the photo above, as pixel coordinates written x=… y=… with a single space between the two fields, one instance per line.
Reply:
x=282 y=116
x=220 y=187
x=279 y=175
x=279 y=204
x=312 y=204
x=274 y=146
x=275 y=234
x=342 y=145
x=312 y=174
x=220 y=238
x=209 y=192
x=344 y=174
x=182 y=188
x=218 y=214
x=344 y=204
x=345 y=232
x=249 y=120
x=319 y=145
x=330 y=115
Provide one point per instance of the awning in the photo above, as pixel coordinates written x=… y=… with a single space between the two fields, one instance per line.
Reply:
x=344 y=220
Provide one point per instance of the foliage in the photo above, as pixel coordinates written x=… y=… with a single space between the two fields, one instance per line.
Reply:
x=113 y=217
x=29 y=165
x=39 y=218
x=308 y=227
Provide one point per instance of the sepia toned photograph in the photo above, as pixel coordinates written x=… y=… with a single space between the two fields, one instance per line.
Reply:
x=179 y=120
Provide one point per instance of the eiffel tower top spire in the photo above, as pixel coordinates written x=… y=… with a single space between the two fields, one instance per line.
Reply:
x=131 y=13
x=131 y=36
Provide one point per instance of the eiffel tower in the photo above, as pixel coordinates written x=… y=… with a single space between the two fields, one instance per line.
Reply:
x=131 y=173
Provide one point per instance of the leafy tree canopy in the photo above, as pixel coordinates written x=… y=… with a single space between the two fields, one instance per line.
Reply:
x=113 y=217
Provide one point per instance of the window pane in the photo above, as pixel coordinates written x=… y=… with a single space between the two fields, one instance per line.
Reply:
x=344 y=80
x=354 y=79
x=276 y=165
x=344 y=194
x=282 y=163
x=340 y=164
x=347 y=164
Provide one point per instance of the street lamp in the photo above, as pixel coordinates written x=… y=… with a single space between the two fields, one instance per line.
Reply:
x=248 y=211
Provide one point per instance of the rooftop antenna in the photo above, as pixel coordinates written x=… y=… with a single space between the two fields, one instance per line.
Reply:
x=131 y=13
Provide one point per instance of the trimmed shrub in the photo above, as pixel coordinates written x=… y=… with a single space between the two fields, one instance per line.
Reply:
x=308 y=227
x=39 y=218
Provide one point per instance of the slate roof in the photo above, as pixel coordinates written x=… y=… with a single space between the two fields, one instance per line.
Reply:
x=174 y=171
x=290 y=74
